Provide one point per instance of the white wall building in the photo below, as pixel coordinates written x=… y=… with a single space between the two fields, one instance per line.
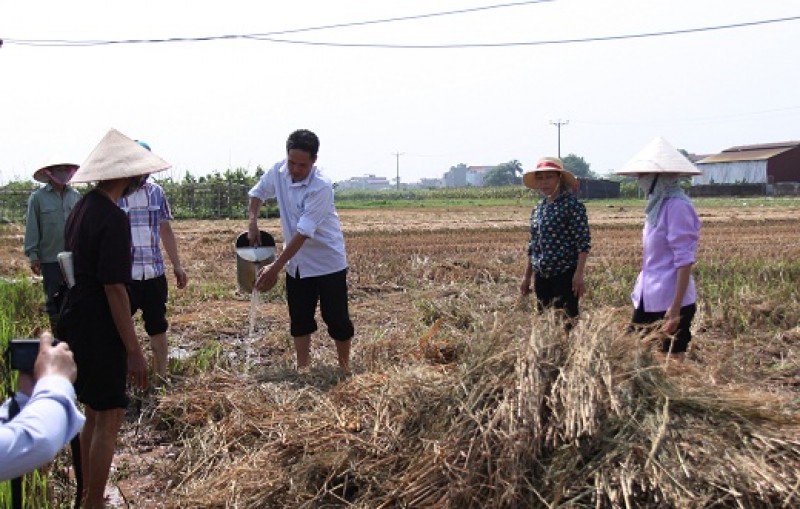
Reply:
x=475 y=175
x=768 y=163
x=370 y=182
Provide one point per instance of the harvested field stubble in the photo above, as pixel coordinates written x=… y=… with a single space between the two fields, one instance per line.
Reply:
x=522 y=420
x=460 y=397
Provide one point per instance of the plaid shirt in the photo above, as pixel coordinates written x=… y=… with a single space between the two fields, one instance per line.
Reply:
x=147 y=208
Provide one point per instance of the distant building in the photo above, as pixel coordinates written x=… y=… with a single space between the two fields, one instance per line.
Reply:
x=475 y=174
x=693 y=158
x=768 y=163
x=463 y=176
x=370 y=182
x=456 y=176
x=597 y=189
x=431 y=182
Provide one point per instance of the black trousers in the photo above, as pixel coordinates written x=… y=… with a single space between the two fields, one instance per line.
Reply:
x=52 y=279
x=556 y=292
x=677 y=344
x=330 y=291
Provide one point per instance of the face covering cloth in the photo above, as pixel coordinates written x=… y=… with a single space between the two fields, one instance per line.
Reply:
x=666 y=186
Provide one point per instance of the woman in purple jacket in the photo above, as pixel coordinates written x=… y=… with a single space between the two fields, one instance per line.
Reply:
x=665 y=288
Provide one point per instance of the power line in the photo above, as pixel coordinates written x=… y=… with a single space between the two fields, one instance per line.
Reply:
x=536 y=43
x=412 y=17
x=269 y=37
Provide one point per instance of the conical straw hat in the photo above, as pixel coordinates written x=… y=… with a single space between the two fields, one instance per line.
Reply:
x=54 y=161
x=117 y=156
x=659 y=156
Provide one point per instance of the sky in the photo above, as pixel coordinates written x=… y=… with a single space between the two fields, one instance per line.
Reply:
x=380 y=108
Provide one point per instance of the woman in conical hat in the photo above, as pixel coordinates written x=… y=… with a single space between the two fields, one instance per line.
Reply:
x=96 y=321
x=665 y=288
x=560 y=239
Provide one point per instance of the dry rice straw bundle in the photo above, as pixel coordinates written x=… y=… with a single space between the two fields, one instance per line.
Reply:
x=528 y=417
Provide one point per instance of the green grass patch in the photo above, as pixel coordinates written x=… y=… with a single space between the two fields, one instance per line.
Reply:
x=20 y=305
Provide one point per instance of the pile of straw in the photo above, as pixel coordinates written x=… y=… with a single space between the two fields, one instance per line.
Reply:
x=519 y=416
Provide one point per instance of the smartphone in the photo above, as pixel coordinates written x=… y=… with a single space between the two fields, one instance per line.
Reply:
x=22 y=354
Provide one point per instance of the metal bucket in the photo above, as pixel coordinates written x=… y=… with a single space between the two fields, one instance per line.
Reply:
x=250 y=259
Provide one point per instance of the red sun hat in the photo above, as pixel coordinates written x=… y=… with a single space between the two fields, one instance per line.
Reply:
x=549 y=164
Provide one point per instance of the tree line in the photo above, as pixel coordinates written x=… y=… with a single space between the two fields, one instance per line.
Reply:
x=510 y=173
x=216 y=196
x=221 y=195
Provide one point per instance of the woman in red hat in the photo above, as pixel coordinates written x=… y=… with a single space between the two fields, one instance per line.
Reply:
x=560 y=239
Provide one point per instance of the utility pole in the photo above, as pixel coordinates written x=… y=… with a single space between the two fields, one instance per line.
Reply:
x=397 y=181
x=558 y=123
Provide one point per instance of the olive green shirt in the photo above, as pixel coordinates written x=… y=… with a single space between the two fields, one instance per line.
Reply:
x=44 y=228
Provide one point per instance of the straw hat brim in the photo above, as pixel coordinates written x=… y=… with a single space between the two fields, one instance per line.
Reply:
x=40 y=175
x=529 y=178
x=117 y=156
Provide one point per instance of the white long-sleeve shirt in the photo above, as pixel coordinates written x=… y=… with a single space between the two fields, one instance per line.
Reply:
x=46 y=423
x=306 y=208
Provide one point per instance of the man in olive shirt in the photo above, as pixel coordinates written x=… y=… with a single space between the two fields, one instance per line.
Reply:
x=48 y=209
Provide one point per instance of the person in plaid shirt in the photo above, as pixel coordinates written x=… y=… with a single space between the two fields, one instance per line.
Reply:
x=149 y=215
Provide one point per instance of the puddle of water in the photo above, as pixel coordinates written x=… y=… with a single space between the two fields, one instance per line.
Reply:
x=179 y=353
x=113 y=497
x=242 y=345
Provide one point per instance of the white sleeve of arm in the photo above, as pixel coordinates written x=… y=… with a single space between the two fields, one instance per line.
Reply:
x=44 y=426
x=265 y=187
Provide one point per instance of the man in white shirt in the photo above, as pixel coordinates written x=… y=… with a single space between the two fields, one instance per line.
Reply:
x=313 y=251
x=48 y=418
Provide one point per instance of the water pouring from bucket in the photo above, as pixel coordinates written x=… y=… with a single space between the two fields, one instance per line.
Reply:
x=250 y=259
